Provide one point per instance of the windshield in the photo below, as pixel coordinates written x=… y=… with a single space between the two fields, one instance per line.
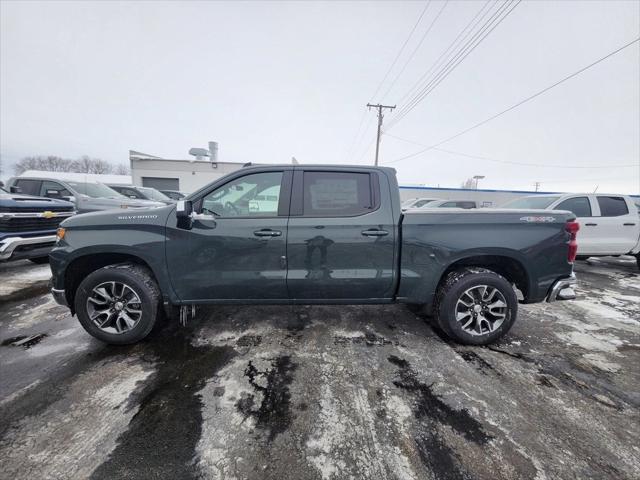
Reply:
x=95 y=190
x=154 y=194
x=531 y=202
x=3 y=190
x=408 y=203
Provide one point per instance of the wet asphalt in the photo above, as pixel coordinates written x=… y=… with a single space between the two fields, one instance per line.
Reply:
x=324 y=392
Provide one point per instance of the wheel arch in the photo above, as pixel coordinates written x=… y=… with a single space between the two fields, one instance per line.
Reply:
x=509 y=267
x=80 y=267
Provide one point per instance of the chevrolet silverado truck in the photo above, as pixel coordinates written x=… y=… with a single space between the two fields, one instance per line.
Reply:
x=28 y=226
x=333 y=235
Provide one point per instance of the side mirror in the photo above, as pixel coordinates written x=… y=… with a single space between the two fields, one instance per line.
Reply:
x=15 y=189
x=184 y=208
x=69 y=198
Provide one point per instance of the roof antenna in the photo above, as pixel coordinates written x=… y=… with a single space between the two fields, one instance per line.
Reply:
x=596 y=189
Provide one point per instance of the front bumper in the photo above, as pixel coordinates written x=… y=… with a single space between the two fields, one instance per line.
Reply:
x=563 y=289
x=59 y=296
x=11 y=247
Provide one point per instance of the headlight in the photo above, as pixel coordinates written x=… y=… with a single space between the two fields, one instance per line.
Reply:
x=60 y=233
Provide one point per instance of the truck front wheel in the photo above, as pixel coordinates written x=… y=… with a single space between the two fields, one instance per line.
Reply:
x=475 y=306
x=118 y=304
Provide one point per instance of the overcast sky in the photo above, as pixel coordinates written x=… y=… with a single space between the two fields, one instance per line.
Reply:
x=269 y=81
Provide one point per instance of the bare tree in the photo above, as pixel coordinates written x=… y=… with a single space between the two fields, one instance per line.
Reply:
x=469 y=183
x=101 y=166
x=122 y=169
x=84 y=164
x=50 y=163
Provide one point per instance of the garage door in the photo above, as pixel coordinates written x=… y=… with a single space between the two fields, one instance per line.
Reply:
x=161 y=183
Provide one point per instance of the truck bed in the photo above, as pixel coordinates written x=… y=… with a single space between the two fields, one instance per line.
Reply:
x=524 y=242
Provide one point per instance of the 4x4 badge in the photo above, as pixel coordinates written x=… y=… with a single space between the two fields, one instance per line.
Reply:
x=538 y=219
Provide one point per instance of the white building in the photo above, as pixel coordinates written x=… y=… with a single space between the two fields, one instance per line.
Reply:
x=186 y=175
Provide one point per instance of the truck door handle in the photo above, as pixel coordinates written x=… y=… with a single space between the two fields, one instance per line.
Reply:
x=591 y=224
x=374 y=233
x=629 y=224
x=267 y=232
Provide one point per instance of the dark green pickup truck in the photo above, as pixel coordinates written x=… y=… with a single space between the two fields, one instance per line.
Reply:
x=310 y=234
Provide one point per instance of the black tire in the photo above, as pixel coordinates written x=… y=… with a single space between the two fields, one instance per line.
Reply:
x=137 y=278
x=451 y=291
x=39 y=260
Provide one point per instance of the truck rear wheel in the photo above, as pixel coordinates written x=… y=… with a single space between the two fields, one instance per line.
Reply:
x=475 y=306
x=118 y=304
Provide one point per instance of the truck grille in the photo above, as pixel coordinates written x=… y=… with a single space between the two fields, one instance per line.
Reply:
x=29 y=224
x=21 y=209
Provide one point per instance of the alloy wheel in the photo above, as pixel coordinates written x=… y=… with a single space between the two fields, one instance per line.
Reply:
x=114 y=307
x=481 y=310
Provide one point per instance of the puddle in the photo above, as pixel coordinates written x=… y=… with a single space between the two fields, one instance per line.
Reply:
x=274 y=411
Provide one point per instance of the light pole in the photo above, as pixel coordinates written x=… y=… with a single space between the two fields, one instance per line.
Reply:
x=476 y=178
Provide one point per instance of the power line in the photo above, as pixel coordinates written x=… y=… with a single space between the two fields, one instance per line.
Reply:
x=529 y=98
x=415 y=50
x=357 y=138
x=395 y=60
x=510 y=162
x=416 y=84
x=451 y=52
x=486 y=29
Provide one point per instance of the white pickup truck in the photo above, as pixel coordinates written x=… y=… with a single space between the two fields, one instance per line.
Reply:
x=609 y=224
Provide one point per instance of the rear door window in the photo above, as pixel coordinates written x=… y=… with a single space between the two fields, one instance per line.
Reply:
x=29 y=187
x=579 y=206
x=337 y=194
x=612 y=206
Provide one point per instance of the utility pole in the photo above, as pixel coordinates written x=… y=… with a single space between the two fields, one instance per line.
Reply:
x=537 y=185
x=380 y=117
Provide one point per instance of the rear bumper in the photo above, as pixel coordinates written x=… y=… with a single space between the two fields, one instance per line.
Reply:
x=11 y=247
x=563 y=289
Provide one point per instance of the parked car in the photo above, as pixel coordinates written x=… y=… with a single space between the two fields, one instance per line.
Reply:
x=28 y=226
x=174 y=194
x=416 y=202
x=451 y=204
x=336 y=235
x=87 y=196
x=609 y=222
x=141 y=193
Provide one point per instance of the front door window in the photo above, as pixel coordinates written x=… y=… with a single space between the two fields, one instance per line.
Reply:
x=256 y=195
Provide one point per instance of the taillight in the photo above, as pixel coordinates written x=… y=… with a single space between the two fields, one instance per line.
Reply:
x=572 y=227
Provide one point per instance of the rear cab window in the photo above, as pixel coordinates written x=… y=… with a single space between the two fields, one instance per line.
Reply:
x=579 y=206
x=612 y=206
x=338 y=194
